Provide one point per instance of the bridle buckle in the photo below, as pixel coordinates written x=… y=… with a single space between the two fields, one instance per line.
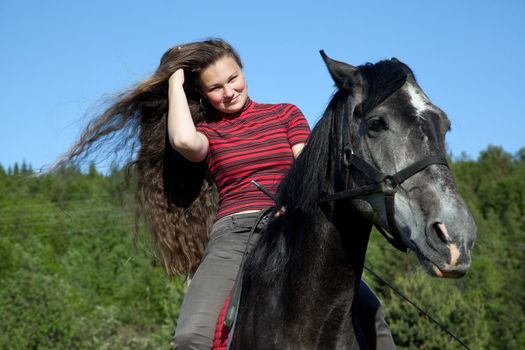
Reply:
x=389 y=186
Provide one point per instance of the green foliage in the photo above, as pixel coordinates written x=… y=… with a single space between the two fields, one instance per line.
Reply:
x=486 y=307
x=71 y=275
x=411 y=329
x=37 y=312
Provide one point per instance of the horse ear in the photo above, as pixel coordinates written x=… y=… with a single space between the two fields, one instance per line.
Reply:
x=343 y=74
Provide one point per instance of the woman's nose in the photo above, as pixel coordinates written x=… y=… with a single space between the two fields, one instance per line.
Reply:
x=228 y=90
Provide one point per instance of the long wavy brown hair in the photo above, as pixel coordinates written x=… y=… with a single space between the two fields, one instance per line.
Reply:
x=173 y=194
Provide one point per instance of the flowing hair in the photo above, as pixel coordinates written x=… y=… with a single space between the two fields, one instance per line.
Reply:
x=174 y=195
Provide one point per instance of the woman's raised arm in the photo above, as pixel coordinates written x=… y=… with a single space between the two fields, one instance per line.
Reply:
x=182 y=134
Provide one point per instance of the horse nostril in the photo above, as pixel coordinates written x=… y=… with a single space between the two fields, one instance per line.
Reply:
x=441 y=231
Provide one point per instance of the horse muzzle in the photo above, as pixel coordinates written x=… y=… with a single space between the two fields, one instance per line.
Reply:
x=442 y=253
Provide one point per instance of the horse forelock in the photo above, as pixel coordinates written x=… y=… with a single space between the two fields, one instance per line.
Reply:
x=381 y=80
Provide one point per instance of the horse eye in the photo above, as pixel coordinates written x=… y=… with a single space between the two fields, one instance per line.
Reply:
x=377 y=124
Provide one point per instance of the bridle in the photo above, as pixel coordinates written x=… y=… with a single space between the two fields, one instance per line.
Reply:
x=382 y=183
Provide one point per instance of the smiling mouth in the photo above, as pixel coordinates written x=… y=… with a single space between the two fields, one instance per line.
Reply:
x=232 y=100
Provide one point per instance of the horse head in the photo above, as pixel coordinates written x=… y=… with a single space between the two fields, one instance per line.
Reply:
x=390 y=159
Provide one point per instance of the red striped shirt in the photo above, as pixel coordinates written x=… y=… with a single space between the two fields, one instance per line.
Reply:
x=253 y=144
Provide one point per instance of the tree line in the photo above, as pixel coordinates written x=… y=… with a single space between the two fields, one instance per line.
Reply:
x=73 y=274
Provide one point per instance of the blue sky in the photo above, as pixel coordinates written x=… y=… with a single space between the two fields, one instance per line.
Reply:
x=59 y=59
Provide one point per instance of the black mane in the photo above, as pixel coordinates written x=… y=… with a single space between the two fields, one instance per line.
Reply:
x=312 y=174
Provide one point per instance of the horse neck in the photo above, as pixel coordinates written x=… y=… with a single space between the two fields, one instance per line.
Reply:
x=354 y=232
x=334 y=248
x=323 y=272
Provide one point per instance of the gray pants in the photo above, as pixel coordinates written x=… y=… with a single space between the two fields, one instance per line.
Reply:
x=370 y=326
x=213 y=281
x=216 y=275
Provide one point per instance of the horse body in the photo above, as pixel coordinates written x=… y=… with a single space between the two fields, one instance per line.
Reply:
x=299 y=282
x=303 y=305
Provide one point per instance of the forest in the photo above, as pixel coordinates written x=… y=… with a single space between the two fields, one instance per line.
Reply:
x=75 y=275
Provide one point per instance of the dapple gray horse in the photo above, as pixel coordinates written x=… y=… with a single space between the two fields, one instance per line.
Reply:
x=376 y=157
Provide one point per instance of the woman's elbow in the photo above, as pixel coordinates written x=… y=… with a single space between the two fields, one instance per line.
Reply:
x=192 y=149
x=183 y=142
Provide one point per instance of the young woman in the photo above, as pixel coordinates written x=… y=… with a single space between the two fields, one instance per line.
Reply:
x=194 y=126
x=241 y=141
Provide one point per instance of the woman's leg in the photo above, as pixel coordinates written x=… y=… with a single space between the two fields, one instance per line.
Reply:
x=371 y=320
x=212 y=283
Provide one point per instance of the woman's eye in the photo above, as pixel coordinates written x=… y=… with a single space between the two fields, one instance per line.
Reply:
x=377 y=124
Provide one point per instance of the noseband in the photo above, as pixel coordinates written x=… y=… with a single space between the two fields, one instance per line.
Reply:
x=386 y=184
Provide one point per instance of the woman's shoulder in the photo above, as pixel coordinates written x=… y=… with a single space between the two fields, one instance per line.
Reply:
x=273 y=105
x=281 y=108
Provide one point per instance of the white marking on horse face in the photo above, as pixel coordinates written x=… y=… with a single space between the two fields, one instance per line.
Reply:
x=419 y=100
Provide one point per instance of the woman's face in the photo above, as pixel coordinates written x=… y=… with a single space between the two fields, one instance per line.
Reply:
x=223 y=85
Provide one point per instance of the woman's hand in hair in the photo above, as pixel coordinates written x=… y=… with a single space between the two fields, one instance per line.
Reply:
x=177 y=78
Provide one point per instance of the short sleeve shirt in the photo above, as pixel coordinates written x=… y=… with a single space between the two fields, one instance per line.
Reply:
x=253 y=144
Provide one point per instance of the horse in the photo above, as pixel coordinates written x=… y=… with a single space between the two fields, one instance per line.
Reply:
x=376 y=157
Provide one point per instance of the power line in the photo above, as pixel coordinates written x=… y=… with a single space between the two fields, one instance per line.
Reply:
x=82 y=231
x=106 y=200
x=80 y=213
